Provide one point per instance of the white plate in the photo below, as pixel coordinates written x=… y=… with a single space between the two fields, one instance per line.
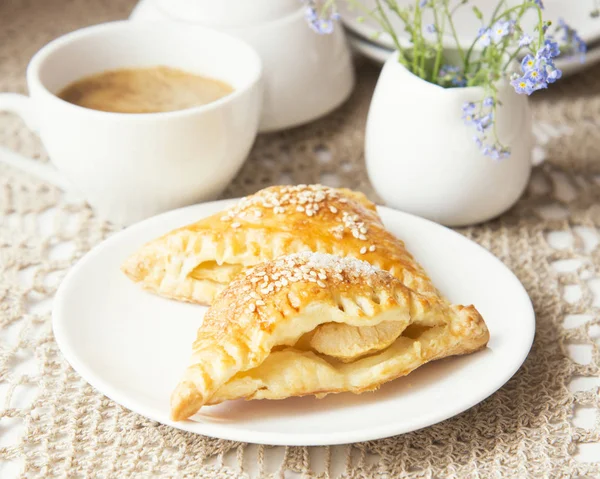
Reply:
x=575 y=12
x=379 y=54
x=132 y=346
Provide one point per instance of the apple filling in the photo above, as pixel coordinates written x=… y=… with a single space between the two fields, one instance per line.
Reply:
x=218 y=273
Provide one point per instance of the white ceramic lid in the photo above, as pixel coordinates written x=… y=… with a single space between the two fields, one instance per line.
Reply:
x=227 y=13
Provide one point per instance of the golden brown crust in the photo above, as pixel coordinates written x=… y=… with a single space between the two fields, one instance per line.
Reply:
x=277 y=303
x=188 y=263
x=294 y=322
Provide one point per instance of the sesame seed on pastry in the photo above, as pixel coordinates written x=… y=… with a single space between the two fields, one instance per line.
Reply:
x=315 y=324
x=196 y=262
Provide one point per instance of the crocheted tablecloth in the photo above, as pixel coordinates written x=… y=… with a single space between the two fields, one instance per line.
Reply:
x=53 y=424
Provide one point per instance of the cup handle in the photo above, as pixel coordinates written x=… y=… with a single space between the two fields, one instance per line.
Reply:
x=22 y=106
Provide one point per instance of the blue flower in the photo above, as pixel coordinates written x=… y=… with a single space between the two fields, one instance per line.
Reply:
x=423 y=3
x=573 y=42
x=537 y=79
x=470 y=119
x=489 y=102
x=525 y=40
x=549 y=50
x=468 y=108
x=485 y=36
x=501 y=29
x=522 y=85
x=545 y=26
x=539 y=3
x=483 y=120
x=528 y=63
x=453 y=74
x=552 y=73
x=534 y=69
x=539 y=70
x=469 y=116
x=431 y=28
x=581 y=45
x=483 y=123
x=311 y=13
x=322 y=26
x=536 y=76
x=486 y=150
x=495 y=152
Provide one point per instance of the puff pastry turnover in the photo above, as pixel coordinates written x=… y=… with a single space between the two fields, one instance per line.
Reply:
x=196 y=262
x=314 y=324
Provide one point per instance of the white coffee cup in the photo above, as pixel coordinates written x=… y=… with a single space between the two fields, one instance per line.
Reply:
x=131 y=166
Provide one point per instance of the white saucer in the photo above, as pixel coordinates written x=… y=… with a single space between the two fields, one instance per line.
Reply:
x=379 y=54
x=575 y=13
x=132 y=346
x=369 y=49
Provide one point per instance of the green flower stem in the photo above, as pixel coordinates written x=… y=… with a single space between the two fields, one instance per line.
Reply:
x=505 y=43
x=456 y=7
x=440 y=46
x=423 y=44
x=402 y=58
x=403 y=15
x=493 y=20
x=327 y=5
x=385 y=22
x=494 y=95
x=421 y=48
x=468 y=56
x=461 y=52
x=410 y=29
x=482 y=73
x=416 y=39
x=501 y=3
x=511 y=58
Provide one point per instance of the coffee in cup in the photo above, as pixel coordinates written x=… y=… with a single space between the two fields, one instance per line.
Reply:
x=144 y=90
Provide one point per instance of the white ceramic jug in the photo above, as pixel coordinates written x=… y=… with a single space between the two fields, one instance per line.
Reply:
x=421 y=157
x=306 y=75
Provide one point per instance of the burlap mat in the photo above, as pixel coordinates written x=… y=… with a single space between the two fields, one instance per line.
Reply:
x=70 y=430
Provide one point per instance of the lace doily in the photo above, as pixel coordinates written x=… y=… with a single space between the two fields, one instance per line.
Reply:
x=53 y=424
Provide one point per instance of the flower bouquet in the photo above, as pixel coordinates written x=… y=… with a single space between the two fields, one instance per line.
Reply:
x=492 y=55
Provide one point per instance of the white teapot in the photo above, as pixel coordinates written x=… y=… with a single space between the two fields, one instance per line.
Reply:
x=306 y=75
